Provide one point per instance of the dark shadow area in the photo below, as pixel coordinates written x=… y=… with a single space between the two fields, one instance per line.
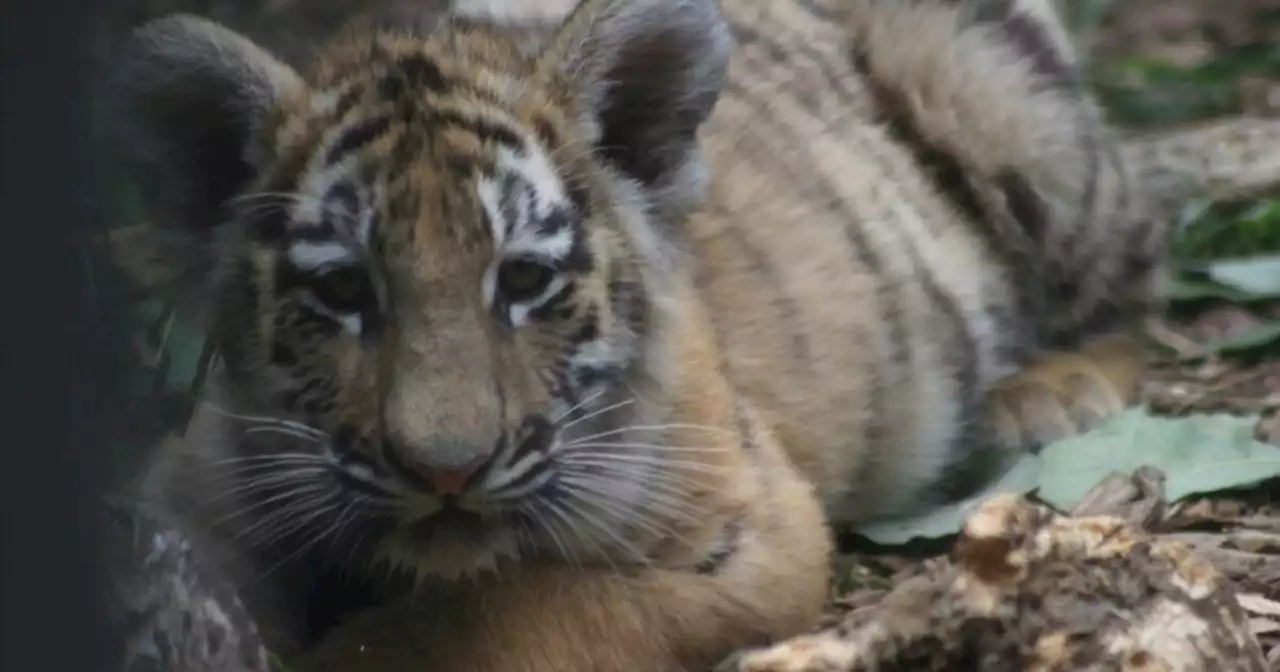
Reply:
x=63 y=349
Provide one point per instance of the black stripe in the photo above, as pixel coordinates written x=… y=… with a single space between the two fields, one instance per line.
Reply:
x=510 y=192
x=1026 y=206
x=314 y=397
x=406 y=152
x=724 y=550
x=822 y=191
x=745 y=429
x=358 y=136
x=586 y=377
x=1084 y=221
x=1066 y=292
x=1030 y=40
x=1016 y=339
x=779 y=56
x=965 y=474
x=312 y=322
x=875 y=434
x=343 y=195
x=486 y=129
x=411 y=74
x=523 y=480
x=950 y=180
x=580 y=258
x=590 y=329
x=967 y=360
x=535 y=435
x=347 y=101
x=628 y=300
x=556 y=379
x=943 y=168
x=876 y=429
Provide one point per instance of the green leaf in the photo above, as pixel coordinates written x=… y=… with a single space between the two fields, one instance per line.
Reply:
x=1258 y=276
x=1186 y=289
x=179 y=343
x=1198 y=454
x=184 y=346
x=1212 y=230
x=1253 y=339
x=276 y=663
x=948 y=520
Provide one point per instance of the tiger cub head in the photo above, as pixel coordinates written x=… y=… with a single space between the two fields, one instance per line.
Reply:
x=430 y=261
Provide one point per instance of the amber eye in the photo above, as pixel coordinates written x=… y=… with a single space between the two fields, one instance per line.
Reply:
x=343 y=290
x=523 y=280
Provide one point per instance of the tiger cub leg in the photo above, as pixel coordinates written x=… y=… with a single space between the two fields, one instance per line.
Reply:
x=1065 y=392
x=988 y=96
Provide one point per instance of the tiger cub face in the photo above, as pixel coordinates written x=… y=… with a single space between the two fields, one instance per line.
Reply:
x=430 y=263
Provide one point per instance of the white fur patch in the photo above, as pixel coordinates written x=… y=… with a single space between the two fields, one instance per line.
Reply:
x=519 y=312
x=309 y=255
x=324 y=102
x=319 y=181
x=534 y=193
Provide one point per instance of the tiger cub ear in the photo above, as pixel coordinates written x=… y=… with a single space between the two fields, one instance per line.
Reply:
x=646 y=75
x=186 y=104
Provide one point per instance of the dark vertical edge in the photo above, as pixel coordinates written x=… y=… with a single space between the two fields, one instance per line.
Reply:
x=63 y=353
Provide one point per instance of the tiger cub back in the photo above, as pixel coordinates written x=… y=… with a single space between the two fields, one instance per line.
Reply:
x=912 y=204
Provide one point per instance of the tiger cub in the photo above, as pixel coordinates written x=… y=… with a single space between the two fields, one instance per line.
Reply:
x=572 y=350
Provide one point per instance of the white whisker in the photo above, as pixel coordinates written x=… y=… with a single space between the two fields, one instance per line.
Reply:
x=655 y=447
x=268 y=420
x=596 y=413
x=580 y=404
x=612 y=460
x=581 y=513
x=654 y=428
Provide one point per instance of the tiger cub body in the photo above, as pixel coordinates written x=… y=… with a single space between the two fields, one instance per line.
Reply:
x=587 y=340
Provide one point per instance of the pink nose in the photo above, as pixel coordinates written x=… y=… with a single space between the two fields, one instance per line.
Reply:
x=449 y=481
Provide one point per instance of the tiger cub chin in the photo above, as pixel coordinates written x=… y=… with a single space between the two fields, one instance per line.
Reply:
x=573 y=349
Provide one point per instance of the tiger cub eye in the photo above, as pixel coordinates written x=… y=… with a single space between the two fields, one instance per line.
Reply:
x=344 y=290
x=523 y=280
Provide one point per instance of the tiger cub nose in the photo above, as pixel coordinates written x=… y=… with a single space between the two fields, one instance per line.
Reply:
x=433 y=470
x=450 y=481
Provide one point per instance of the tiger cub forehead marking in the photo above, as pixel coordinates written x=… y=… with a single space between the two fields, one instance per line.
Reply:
x=332 y=220
x=335 y=208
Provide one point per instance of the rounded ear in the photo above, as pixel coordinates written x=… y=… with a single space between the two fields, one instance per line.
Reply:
x=647 y=74
x=185 y=109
